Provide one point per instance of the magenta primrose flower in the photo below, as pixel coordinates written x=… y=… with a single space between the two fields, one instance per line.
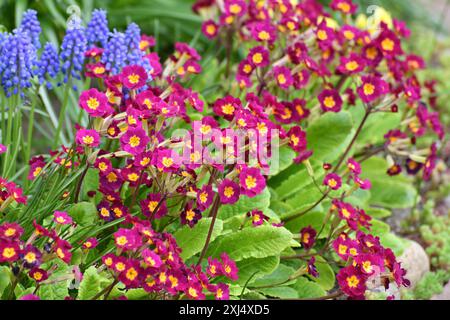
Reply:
x=251 y=181
x=62 y=217
x=95 y=103
x=134 y=140
x=133 y=77
x=333 y=181
x=88 y=138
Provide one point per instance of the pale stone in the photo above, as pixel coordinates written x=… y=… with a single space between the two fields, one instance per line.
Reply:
x=416 y=262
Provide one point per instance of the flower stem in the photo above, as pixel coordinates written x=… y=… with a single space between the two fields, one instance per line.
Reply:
x=214 y=211
x=62 y=114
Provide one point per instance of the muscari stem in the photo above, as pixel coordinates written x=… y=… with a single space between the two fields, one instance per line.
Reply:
x=62 y=113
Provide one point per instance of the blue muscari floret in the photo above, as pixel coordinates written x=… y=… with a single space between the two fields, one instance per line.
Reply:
x=17 y=58
x=48 y=64
x=115 y=55
x=30 y=24
x=3 y=36
x=72 y=52
x=97 y=29
x=134 y=54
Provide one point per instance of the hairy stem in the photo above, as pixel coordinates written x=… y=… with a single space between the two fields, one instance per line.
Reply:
x=214 y=211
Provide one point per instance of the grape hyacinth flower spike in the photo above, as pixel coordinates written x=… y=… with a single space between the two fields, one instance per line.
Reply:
x=97 y=29
x=30 y=24
x=16 y=62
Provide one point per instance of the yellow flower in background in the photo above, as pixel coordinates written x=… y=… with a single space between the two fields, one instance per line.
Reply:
x=331 y=23
x=372 y=22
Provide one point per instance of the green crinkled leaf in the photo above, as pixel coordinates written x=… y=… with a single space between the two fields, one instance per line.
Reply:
x=54 y=291
x=392 y=194
x=20 y=291
x=5 y=278
x=326 y=277
x=252 y=242
x=307 y=289
x=378 y=228
x=303 y=200
x=329 y=135
x=294 y=180
x=395 y=243
x=90 y=285
x=136 y=294
x=286 y=157
x=58 y=290
x=255 y=268
x=378 y=213
x=283 y=292
x=280 y=275
x=192 y=240
x=245 y=204
x=84 y=213
x=359 y=198
x=90 y=182
x=377 y=125
x=253 y=295
x=313 y=218
x=386 y=191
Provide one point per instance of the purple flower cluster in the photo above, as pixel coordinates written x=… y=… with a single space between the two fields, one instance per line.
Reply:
x=17 y=58
x=73 y=48
x=115 y=54
x=48 y=64
x=97 y=29
x=30 y=24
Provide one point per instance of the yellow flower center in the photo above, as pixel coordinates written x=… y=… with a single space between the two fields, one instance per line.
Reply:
x=190 y=214
x=257 y=58
x=122 y=240
x=329 y=102
x=342 y=249
x=30 y=257
x=352 y=281
x=264 y=35
x=167 y=162
x=133 y=78
x=193 y=292
x=228 y=109
x=322 y=35
x=210 y=29
x=9 y=252
x=10 y=232
x=332 y=183
x=387 y=44
x=132 y=274
x=135 y=141
x=281 y=79
x=344 y=7
x=99 y=70
x=250 y=182
x=152 y=205
x=88 y=140
x=228 y=192
x=37 y=276
x=368 y=89
x=235 y=9
x=352 y=65
x=112 y=177
x=203 y=197
x=295 y=140
x=93 y=103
